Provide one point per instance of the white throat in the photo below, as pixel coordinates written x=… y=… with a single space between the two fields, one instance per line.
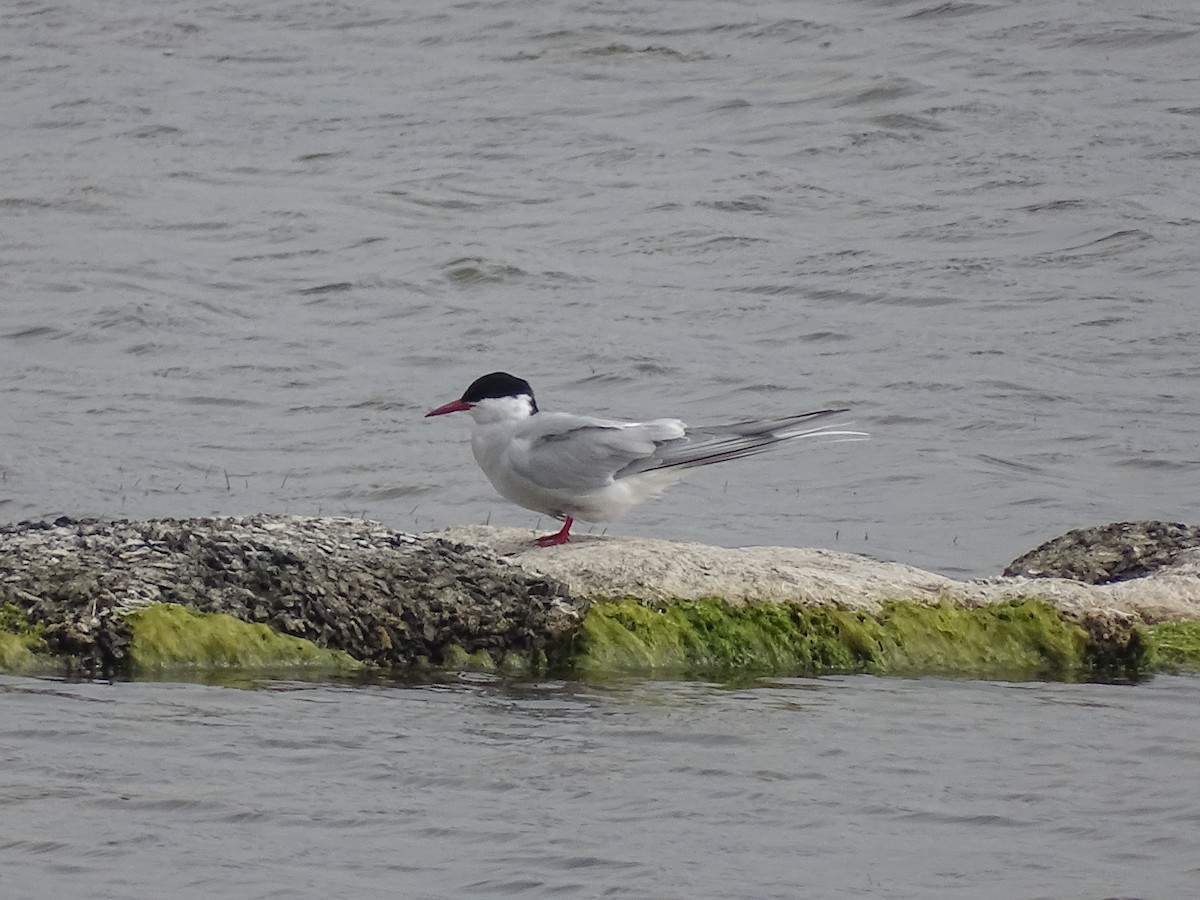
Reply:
x=494 y=410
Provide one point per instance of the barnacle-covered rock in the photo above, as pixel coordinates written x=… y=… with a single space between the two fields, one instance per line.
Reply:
x=382 y=596
x=1107 y=553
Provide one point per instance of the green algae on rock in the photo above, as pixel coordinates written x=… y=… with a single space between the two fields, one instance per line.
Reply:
x=508 y=664
x=168 y=636
x=74 y=590
x=1023 y=639
x=22 y=647
x=1174 y=646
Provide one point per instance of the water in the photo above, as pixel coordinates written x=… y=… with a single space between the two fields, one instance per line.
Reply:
x=244 y=246
x=834 y=787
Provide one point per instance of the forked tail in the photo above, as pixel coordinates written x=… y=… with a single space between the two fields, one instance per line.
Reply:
x=706 y=446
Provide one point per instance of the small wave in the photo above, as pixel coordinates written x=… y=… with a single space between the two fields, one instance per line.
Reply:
x=320 y=290
x=472 y=270
x=1113 y=244
x=153 y=131
x=1009 y=464
x=949 y=11
x=611 y=378
x=658 y=52
x=36 y=332
x=1056 y=205
x=879 y=90
x=750 y=203
x=788 y=30
x=645 y=366
x=907 y=122
x=208 y=400
x=1157 y=463
x=1124 y=38
x=396 y=492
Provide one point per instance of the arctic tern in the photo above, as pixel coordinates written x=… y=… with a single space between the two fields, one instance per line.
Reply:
x=578 y=467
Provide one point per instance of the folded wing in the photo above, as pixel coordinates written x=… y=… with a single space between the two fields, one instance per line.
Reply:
x=574 y=453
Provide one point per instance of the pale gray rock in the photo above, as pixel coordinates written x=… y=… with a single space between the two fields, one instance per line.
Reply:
x=606 y=566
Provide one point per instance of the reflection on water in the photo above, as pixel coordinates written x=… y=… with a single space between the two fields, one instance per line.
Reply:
x=473 y=787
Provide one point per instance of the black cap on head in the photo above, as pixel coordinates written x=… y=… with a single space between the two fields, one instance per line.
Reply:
x=496 y=385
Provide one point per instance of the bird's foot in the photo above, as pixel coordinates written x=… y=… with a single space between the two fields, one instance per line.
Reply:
x=562 y=536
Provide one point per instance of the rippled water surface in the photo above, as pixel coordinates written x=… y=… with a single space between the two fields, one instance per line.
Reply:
x=243 y=246
x=840 y=787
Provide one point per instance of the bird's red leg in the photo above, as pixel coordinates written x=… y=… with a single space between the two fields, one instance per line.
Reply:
x=562 y=536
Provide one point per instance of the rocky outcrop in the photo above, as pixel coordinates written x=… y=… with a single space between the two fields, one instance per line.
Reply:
x=382 y=596
x=1105 y=554
x=483 y=595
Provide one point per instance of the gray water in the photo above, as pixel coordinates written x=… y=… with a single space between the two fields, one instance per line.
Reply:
x=829 y=788
x=244 y=246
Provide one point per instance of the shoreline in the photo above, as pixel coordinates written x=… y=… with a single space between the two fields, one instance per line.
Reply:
x=329 y=595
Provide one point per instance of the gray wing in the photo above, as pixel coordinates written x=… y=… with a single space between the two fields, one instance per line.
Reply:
x=566 y=452
x=560 y=451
